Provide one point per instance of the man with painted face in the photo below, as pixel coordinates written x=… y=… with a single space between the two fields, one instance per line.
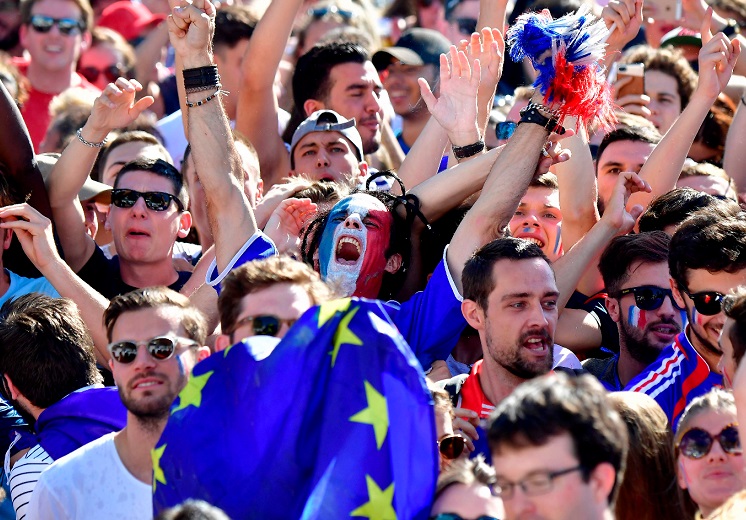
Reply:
x=635 y=273
x=707 y=259
x=538 y=217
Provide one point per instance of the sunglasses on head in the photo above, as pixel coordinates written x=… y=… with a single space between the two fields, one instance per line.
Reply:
x=155 y=200
x=264 y=325
x=697 y=443
x=159 y=348
x=451 y=446
x=649 y=297
x=504 y=129
x=454 y=516
x=111 y=73
x=707 y=303
x=67 y=26
x=322 y=12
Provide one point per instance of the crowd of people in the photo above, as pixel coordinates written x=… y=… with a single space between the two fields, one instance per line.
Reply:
x=342 y=258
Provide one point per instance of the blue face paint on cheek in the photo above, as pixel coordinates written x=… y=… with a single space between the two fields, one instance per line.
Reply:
x=326 y=247
x=558 y=242
x=182 y=370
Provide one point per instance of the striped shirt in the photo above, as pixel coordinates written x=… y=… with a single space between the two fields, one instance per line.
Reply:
x=678 y=376
x=23 y=477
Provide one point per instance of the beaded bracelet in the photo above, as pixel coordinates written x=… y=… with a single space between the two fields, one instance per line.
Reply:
x=208 y=98
x=79 y=133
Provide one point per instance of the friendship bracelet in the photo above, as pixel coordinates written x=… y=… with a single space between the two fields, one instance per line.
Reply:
x=213 y=86
x=79 y=133
x=470 y=150
x=208 y=98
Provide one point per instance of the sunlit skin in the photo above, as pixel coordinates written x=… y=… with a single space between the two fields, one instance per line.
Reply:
x=727 y=364
x=125 y=153
x=665 y=101
x=712 y=479
x=100 y=57
x=618 y=157
x=228 y=60
x=539 y=219
x=400 y=81
x=328 y=156
x=717 y=186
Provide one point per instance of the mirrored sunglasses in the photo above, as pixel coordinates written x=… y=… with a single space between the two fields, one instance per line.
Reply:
x=697 y=443
x=155 y=200
x=504 y=129
x=159 y=348
x=451 y=446
x=707 y=303
x=67 y=26
x=264 y=325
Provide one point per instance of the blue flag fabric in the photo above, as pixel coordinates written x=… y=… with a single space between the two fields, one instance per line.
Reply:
x=336 y=423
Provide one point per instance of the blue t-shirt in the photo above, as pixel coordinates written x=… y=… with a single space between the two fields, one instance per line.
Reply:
x=20 y=286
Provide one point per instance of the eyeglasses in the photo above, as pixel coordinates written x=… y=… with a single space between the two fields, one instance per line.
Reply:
x=454 y=516
x=67 y=26
x=536 y=484
x=160 y=348
x=111 y=73
x=155 y=200
x=451 y=446
x=707 y=303
x=697 y=443
x=504 y=129
x=264 y=325
x=649 y=297
x=466 y=25
x=321 y=12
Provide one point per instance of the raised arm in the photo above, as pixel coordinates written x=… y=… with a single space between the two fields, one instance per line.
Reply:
x=735 y=149
x=256 y=116
x=214 y=154
x=716 y=61
x=114 y=108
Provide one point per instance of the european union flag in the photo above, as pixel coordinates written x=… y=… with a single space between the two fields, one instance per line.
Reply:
x=336 y=423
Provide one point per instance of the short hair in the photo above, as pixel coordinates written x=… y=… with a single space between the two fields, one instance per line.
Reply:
x=674 y=207
x=668 y=60
x=86 y=12
x=260 y=274
x=465 y=472
x=161 y=168
x=233 y=23
x=477 y=276
x=711 y=240
x=626 y=250
x=628 y=133
x=45 y=348
x=704 y=169
x=626 y=119
x=193 y=321
x=193 y=510
x=9 y=193
x=129 y=137
x=545 y=180
x=321 y=192
x=648 y=491
x=734 y=307
x=69 y=111
x=556 y=404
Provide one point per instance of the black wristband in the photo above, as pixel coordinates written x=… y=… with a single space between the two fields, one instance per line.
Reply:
x=470 y=150
x=531 y=114
x=201 y=76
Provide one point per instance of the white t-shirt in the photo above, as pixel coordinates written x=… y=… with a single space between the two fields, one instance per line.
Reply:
x=90 y=483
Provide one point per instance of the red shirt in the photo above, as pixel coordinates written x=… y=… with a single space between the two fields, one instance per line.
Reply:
x=472 y=396
x=35 y=110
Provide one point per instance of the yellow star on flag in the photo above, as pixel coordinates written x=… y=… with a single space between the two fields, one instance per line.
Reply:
x=192 y=393
x=329 y=309
x=344 y=336
x=379 y=506
x=376 y=414
x=155 y=456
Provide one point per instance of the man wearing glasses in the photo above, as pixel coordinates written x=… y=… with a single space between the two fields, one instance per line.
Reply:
x=54 y=32
x=635 y=273
x=156 y=339
x=558 y=449
x=707 y=259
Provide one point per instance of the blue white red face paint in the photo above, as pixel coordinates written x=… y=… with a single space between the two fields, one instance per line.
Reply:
x=637 y=317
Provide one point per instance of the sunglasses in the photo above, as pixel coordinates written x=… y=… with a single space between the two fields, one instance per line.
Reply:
x=111 y=73
x=649 y=297
x=322 y=12
x=264 y=325
x=466 y=25
x=454 y=516
x=67 y=26
x=159 y=348
x=697 y=443
x=707 y=303
x=451 y=446
x=155 y=200
x=504 y=129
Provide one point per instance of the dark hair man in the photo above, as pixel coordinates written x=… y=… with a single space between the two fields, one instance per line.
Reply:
x=558 y=449
x=668 y=211
x=156 y=338
x=50 y=376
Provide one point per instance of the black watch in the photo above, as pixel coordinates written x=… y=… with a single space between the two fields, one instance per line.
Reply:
x=531 y=115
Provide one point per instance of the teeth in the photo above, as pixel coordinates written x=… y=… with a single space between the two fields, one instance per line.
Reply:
x=535 y=241
x=534 y=341
x=348 y=240
x=147 y=384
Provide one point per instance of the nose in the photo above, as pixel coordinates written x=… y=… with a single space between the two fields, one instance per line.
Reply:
x=322 y=159
x=373 y=103
x=529 y=219
x=143 y=360
x=716 y=452
x=538 y=316
x=353 y=222
x=140 y=209
x=519 y=505
x=667 y=308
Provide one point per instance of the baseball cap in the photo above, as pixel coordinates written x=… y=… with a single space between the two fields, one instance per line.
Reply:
x=681 y=36
x=129 y=19
x=417 y=46
x=329 y=121
x=90 y=190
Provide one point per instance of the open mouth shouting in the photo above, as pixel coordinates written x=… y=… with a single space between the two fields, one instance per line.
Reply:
x=348 y=251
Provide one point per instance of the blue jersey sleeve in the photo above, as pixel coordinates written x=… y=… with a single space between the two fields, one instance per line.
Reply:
x=256 y=247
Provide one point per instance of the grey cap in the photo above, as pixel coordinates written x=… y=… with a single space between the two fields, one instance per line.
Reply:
x=90 y=190
x=329 y=121
x=416 y=46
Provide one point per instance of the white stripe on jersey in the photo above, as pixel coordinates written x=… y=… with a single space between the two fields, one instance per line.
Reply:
x=24 y=475
x=662 y=374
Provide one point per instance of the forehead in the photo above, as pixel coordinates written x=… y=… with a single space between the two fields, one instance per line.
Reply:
x=705 y=183
x=278 y=299
x=721 y=281
x=132 y=150
x=711 y=420
x=626 y=152
x=360 y=203
x=647 y=273
x=528 y=276
x=62 y=8
x=546 y=197
x=351 y=73
x=466 y=9
x=143 y=324
x=144 y=181
x=515 y=463
x=660 y=82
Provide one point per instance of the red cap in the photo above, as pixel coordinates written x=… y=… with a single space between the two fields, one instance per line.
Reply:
x=129 y=19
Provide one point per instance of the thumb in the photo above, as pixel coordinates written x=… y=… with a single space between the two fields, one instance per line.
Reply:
x=427 y=95
x=636 y=210
x=142 y=104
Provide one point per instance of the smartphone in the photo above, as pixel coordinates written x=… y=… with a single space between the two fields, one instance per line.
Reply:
x=667 y=10
x=636 y=86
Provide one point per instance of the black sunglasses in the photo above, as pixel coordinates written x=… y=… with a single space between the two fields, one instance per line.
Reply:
x=649 y=297
x=155 y=200
x=451 y=446
x=707 y=303
x=697 y=443
x=67 y=26
x=264 y=325
x=504 y=129
x=111 y=73
x=160 y=348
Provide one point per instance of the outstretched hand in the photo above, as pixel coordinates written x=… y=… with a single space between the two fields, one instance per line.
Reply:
x=488 y=47
x=116 y=106
x=616 y=212
x=287 y=221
